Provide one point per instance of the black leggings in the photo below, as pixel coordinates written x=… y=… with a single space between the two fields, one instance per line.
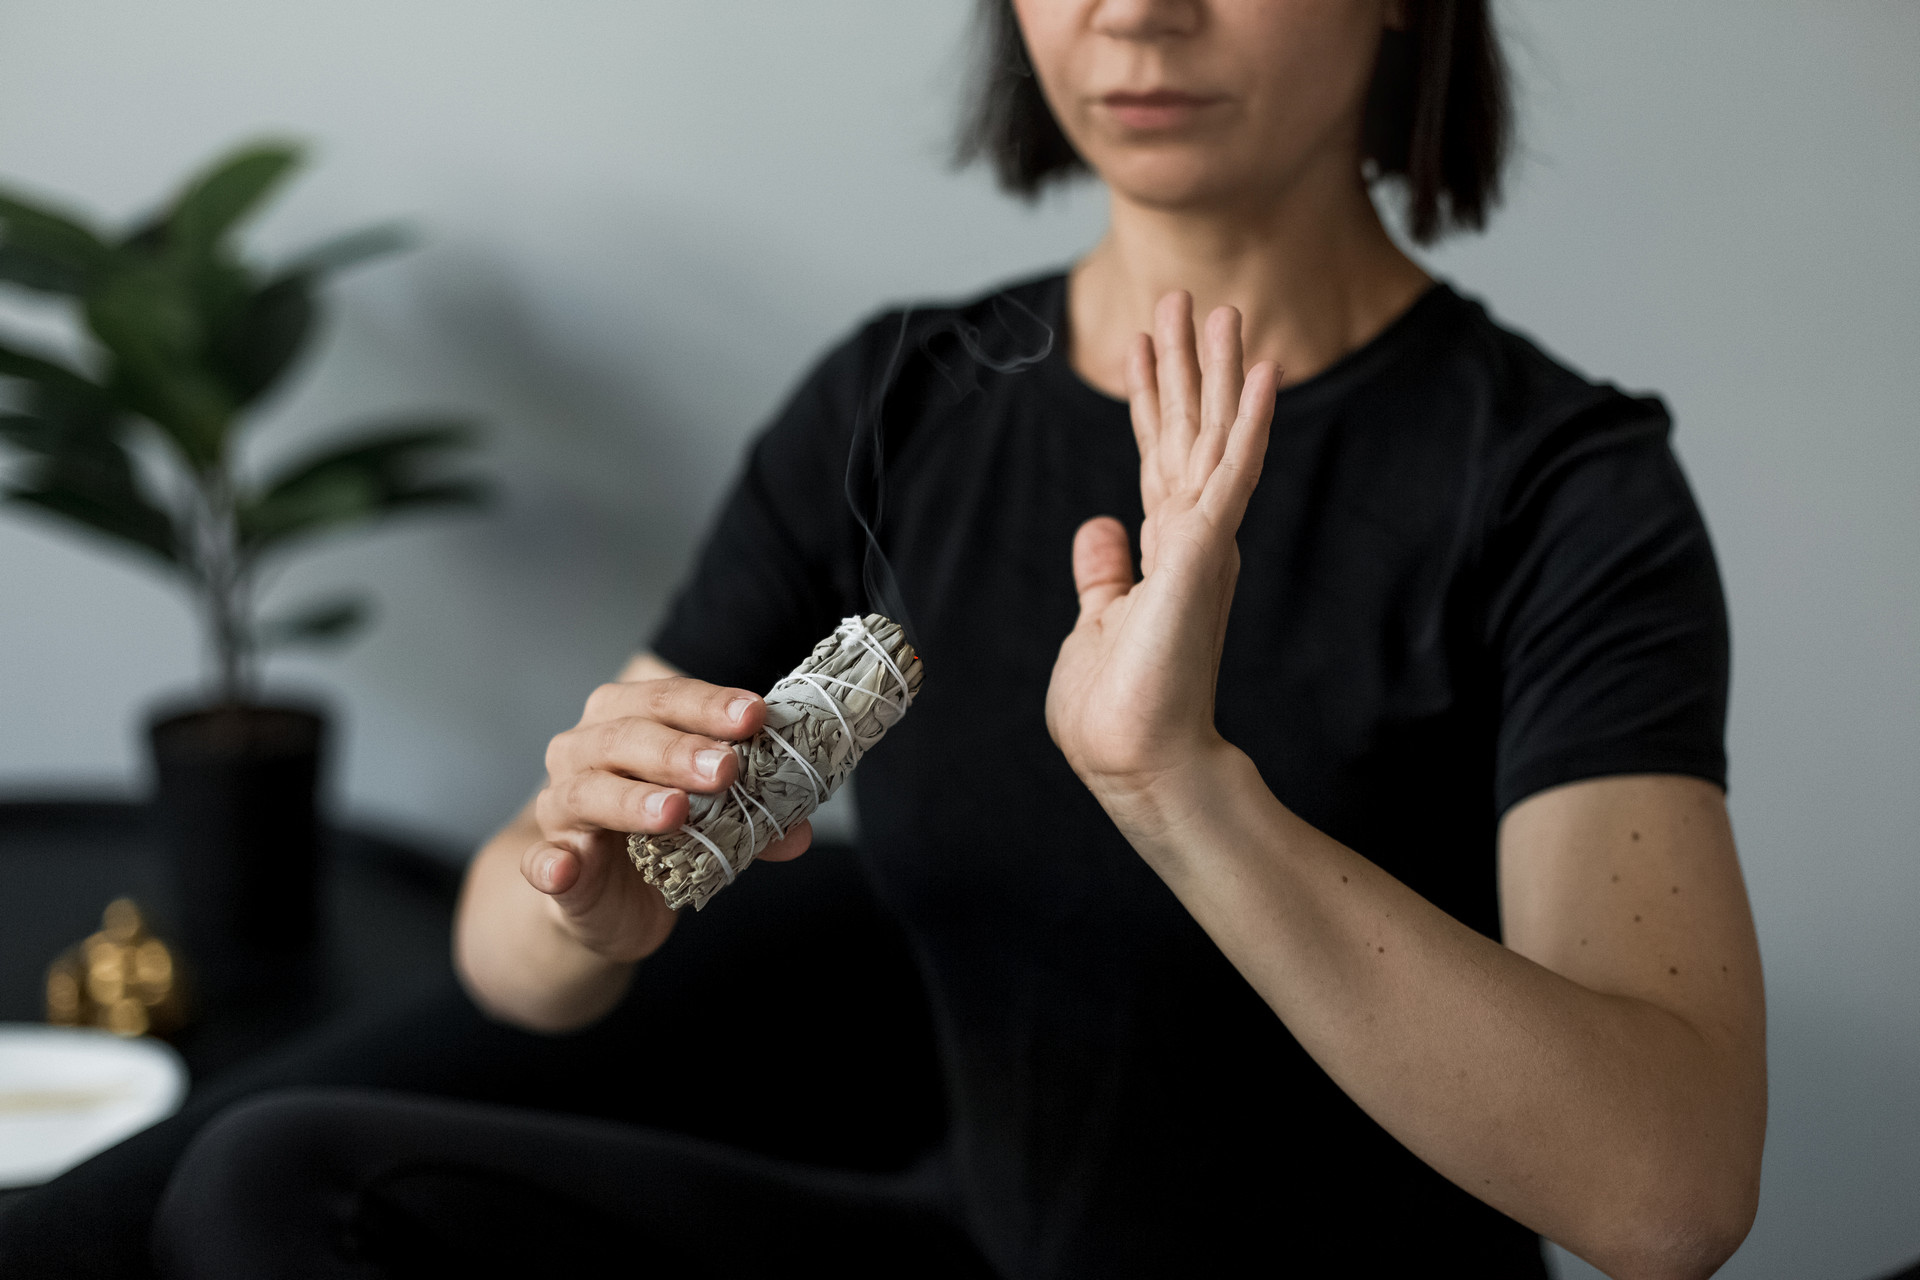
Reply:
x=353 y=1183
x=782 y=1031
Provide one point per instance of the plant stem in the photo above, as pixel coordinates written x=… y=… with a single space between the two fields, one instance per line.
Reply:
x=223 y=575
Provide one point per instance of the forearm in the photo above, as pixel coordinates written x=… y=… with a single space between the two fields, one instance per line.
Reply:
x=511 y=952
x=1600 y=1120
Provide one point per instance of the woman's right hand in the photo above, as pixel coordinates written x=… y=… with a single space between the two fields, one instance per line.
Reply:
x=640 y=747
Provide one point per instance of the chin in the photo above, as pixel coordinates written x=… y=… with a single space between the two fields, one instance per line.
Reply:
x=1172 y=179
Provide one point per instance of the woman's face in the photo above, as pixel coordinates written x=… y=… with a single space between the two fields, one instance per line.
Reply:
x=1193 y=103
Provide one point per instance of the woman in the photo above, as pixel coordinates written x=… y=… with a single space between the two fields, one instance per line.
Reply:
x=1208 y=866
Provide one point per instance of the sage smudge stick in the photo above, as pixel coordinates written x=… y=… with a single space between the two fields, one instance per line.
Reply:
x=821 y=718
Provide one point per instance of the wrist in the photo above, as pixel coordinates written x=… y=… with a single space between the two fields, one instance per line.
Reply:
x=1154 y=808
x=1213 y=816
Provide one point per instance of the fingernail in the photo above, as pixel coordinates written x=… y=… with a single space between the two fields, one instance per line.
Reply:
x=737 y=710
x=709 y=761
x=549 y=869
x=657 y=803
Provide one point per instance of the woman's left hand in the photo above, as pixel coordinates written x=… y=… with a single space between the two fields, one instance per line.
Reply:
x=1573 y=1087
x=1131 y=701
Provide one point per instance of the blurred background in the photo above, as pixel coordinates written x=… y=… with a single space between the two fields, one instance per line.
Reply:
x=644 y=220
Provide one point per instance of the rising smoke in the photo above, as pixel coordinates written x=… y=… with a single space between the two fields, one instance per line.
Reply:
x=1013 y=339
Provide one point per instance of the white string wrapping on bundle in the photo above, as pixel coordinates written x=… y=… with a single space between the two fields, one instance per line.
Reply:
x=821 y=718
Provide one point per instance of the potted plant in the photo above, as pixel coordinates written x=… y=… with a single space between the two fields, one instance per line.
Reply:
x=138 y=442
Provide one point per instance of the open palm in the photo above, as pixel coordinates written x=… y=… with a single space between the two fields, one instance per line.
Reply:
x=1132 y=692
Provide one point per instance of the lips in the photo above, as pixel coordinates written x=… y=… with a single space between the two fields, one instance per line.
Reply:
x=1157 y=108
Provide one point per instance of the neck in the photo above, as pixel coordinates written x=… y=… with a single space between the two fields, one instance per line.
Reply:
x=1312 y=271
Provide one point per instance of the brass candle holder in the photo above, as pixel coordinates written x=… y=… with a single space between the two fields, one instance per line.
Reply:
x=122 y=979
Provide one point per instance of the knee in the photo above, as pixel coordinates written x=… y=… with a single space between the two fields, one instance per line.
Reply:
x=262 y=1136
x=243 y=1171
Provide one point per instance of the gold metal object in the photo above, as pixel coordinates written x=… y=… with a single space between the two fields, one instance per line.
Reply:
x=121 y=978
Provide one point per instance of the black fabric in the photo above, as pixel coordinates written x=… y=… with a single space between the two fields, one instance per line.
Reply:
x=791 y=1025
x=376 y=1186
x=1468 y=574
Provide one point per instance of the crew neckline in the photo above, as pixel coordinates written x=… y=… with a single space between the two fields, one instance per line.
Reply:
x=1332 y=382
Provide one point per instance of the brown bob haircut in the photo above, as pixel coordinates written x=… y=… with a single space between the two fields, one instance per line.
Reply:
x=1439 y=114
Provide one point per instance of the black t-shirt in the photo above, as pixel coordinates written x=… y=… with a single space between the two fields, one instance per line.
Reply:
x=1468 y=574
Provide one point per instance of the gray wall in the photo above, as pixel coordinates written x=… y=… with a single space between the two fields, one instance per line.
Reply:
x=646 y=218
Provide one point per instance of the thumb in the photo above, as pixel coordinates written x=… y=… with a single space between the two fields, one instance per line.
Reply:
x=573 y=878
x=1102 y=565
x=551 y=868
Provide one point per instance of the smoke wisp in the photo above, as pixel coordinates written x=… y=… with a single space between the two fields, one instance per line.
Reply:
x=1014 y=339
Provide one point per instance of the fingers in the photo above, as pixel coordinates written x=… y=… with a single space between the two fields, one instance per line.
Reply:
x=1102 y=565
x=1185 y=395
x=1231 y=485
x=1220 y=387
x=630 y=762
x=1143 y=401
x=1179 y=376
x=551 y=868
x=683 y=703
x=576 y=880
x=646 y=751
x=596 y=798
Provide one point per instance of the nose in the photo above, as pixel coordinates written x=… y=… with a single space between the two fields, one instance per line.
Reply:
x=1147 y=19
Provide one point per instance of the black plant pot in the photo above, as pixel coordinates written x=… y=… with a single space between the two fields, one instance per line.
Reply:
x=237 y=815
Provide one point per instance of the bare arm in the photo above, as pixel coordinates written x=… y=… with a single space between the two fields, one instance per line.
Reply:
x=553 y=917
x=1601 y=1078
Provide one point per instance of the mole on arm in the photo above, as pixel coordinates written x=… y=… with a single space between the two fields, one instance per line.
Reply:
x=1635 y=834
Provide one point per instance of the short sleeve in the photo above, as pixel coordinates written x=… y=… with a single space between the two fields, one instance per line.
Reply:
x=1606 y=617
x=776 y=570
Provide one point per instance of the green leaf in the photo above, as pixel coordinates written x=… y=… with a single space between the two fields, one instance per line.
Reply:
x=78 y=467
x=341 y=501
x=353 y=248
x=193 y=408
x=73 y=419
x=233 y=188
x=394 y=446
x=42 y=248
x=260 y=343
x=31 y=270
x=28 y=433
x=77 y=407
x=144 y=310
x=219 y=291
x=49 y=438
x=323 y=623
x=146 y=317
x=42 y=372
x=444 y=493
x=147 y=236
x=75 y=454
x=73 y=444
x=358 y=482
x=123 y=515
